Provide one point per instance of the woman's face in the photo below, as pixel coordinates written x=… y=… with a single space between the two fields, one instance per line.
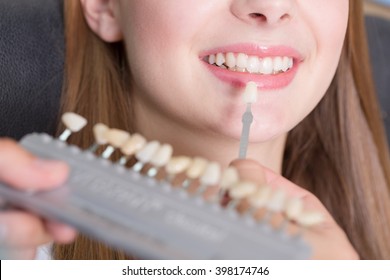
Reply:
x=290 y=48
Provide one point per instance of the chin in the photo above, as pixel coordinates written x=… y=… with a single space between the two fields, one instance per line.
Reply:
x=259 y=132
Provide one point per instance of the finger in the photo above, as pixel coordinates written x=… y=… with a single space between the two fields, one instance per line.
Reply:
x=24 y=171
x=22 y=230
x=18 y=254
x=61 y=233
x=252 y=170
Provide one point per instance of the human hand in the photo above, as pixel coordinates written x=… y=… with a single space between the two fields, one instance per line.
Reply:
x=22 y=232
x=328 y=240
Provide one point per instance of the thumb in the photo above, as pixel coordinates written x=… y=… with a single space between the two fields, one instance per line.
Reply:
x=252 y=170
x=22 y=170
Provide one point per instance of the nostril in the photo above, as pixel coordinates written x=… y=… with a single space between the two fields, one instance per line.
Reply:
x=284 y=17
x=258 y=16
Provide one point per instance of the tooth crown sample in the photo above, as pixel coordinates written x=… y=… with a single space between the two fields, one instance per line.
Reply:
x=133 y=145
x=73 y=121
x=99 y=132
x=178 y=165
x=250 y=93
x=117 y=137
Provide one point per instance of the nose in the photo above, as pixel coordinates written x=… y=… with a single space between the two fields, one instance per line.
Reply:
x=262 y=12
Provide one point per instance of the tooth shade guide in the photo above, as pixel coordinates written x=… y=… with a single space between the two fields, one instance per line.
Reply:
x=211 y=191
x=249 y=96
x=226 y=220
x=240 y=197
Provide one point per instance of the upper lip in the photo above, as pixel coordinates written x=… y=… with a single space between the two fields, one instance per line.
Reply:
x=256 y=50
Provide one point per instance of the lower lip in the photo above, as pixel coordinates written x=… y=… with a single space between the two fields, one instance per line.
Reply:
x=264 y=82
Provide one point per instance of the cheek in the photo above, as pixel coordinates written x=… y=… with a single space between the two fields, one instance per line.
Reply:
x=161 y=42
x=328 y=20
x=157 y=29
x=159 y=36
x=325 y=24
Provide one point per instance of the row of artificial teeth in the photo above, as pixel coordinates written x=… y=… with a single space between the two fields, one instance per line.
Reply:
x=197 y=170
x=266 y=197
x=252 y=64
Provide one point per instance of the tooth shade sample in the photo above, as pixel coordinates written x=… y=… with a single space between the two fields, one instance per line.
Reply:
x=250 y=93
x=294 y=207
x=309 y=219
x=117 y=137
x=99 y=132
x=162 y=156
x=229 y=178
x=133 y=145
x=177 y=165
x=211 y=174
x=146 y=153
x=260 y=198
x=277 y=201
x=242 y=190
x=196 y=168
x=73 y=121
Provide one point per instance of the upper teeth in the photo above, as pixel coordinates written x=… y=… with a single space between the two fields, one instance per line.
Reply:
x=252 y=64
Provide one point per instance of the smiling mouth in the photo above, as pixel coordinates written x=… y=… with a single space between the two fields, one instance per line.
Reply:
x=243 y=63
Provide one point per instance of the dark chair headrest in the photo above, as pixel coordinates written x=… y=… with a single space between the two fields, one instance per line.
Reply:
x=378 y=30
x=31 y=65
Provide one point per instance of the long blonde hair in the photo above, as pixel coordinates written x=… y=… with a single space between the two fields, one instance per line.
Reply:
x=339 y=152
